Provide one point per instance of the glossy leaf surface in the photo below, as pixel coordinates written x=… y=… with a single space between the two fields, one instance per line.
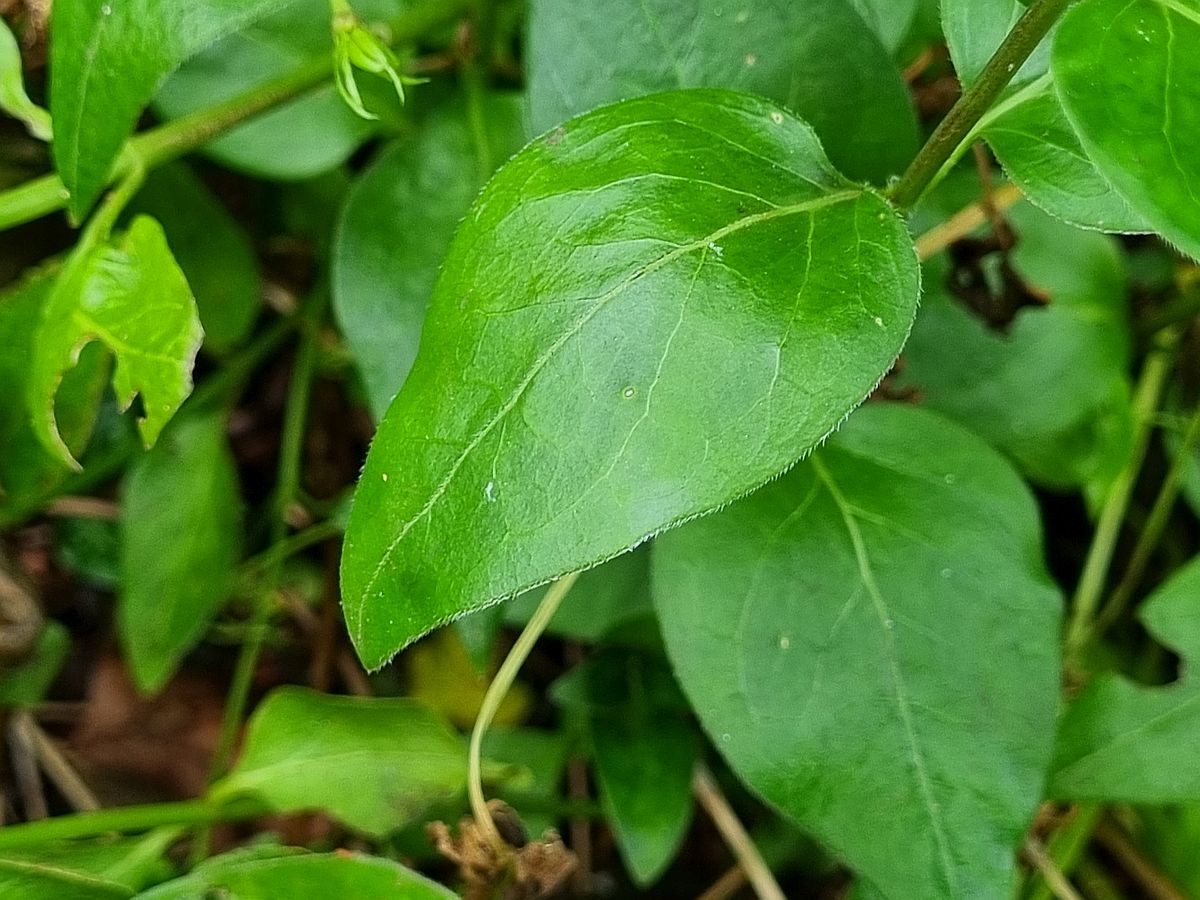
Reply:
x=854 y=98
x=1027 y=129
x=132 y=297
x=180 y=544
x=395 y=229
x=1126 y=742
x=647 y=313
x=374 y=764
x=1128 y=74
x=258 y=875
x=107 y=58
x=827 y=630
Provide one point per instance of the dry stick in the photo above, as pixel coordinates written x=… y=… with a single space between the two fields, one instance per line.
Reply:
x=966 y=220
x=1149 y=878
x=83 y=508
x=1055 y=879
x=60 y=770
x=735 y=835
x=29 y=778
x=495 y=696
x=725 y=886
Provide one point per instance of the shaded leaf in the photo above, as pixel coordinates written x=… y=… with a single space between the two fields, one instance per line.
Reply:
x=872 y=643
x=644 y=750
x=84 y=869
x=106 y=59
x=648 y=312
x=854 y=98
x=394 y=231
x=1126 y=742
x=292 y=873
x=132 y=297
x=1027 y=128
x=889 y=19
x=26 y=683
x=180 y=543
x=1052 y=392
x=374 y=764
x=1128 y=76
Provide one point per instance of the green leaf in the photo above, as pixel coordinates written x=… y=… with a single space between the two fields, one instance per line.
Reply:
x=13 y=99
x=180 y=542
x=395 y=229
x=1126 y=742
x=299 y=139
x=133 y=298
x=644 y=750
x=100 y=868
x=26 y=683
x=106 y=59
x=1053 y=391
x=648 y=312
x=212 y=250
x=27 y=469
x=872 y=643
x=1027 y=129
x=540 y=758
x=253 y=875
x=854 y=98
x=1127 y=73
x=889 y=19
x=374 y=764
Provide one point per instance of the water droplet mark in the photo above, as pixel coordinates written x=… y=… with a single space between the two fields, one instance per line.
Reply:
x=950 y=478
x=384 y=476
x=717 y=249
x=106 y=10
x=879 y=321
x=489 y=492
x=785 y=642
x=751 y=59
x=946 y=573
x=629 y=393
x=741 y=17
x=777 y=117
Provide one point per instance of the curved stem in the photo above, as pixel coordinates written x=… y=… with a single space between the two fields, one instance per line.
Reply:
x=996 y=75
x=495 y=696
x=1108 y=527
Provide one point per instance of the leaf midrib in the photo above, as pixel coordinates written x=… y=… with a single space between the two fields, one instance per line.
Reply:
x=867 y=575
x=806 y=206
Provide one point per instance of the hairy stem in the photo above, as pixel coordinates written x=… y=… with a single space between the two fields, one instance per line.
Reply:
x=996 y=75
x=495 y=696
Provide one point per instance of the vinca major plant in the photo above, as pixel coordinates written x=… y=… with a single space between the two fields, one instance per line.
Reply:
x=809 y=387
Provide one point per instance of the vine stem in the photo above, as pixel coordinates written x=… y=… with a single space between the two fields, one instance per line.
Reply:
x=496 y=692
x=44 y=195
x=1108 y=527
x=758 y=873
x=957 y=126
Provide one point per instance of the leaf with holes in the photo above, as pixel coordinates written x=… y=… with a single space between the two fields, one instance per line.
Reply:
x=1128 y=75
x=872 y=643
x=648 y=312
x=132 y=297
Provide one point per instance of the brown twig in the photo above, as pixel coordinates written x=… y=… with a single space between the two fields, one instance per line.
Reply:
x=1037 y=856
x=735 y=835
x=966 y=220
x=83 y=508
x=1133 y=861
x=725 y=886
x=59 y=769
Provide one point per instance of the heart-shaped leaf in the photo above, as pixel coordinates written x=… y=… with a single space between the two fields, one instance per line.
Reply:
x=872 y=643
x=1128 y=75
x=648 y=312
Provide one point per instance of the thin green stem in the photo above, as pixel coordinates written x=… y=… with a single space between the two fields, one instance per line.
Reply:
x=1156 y=523
x=290 y=546
x=495 y=695
x=290 y=460
x=1146 y=398
x=130 y=819
x=999 y=71
x=46 y=194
